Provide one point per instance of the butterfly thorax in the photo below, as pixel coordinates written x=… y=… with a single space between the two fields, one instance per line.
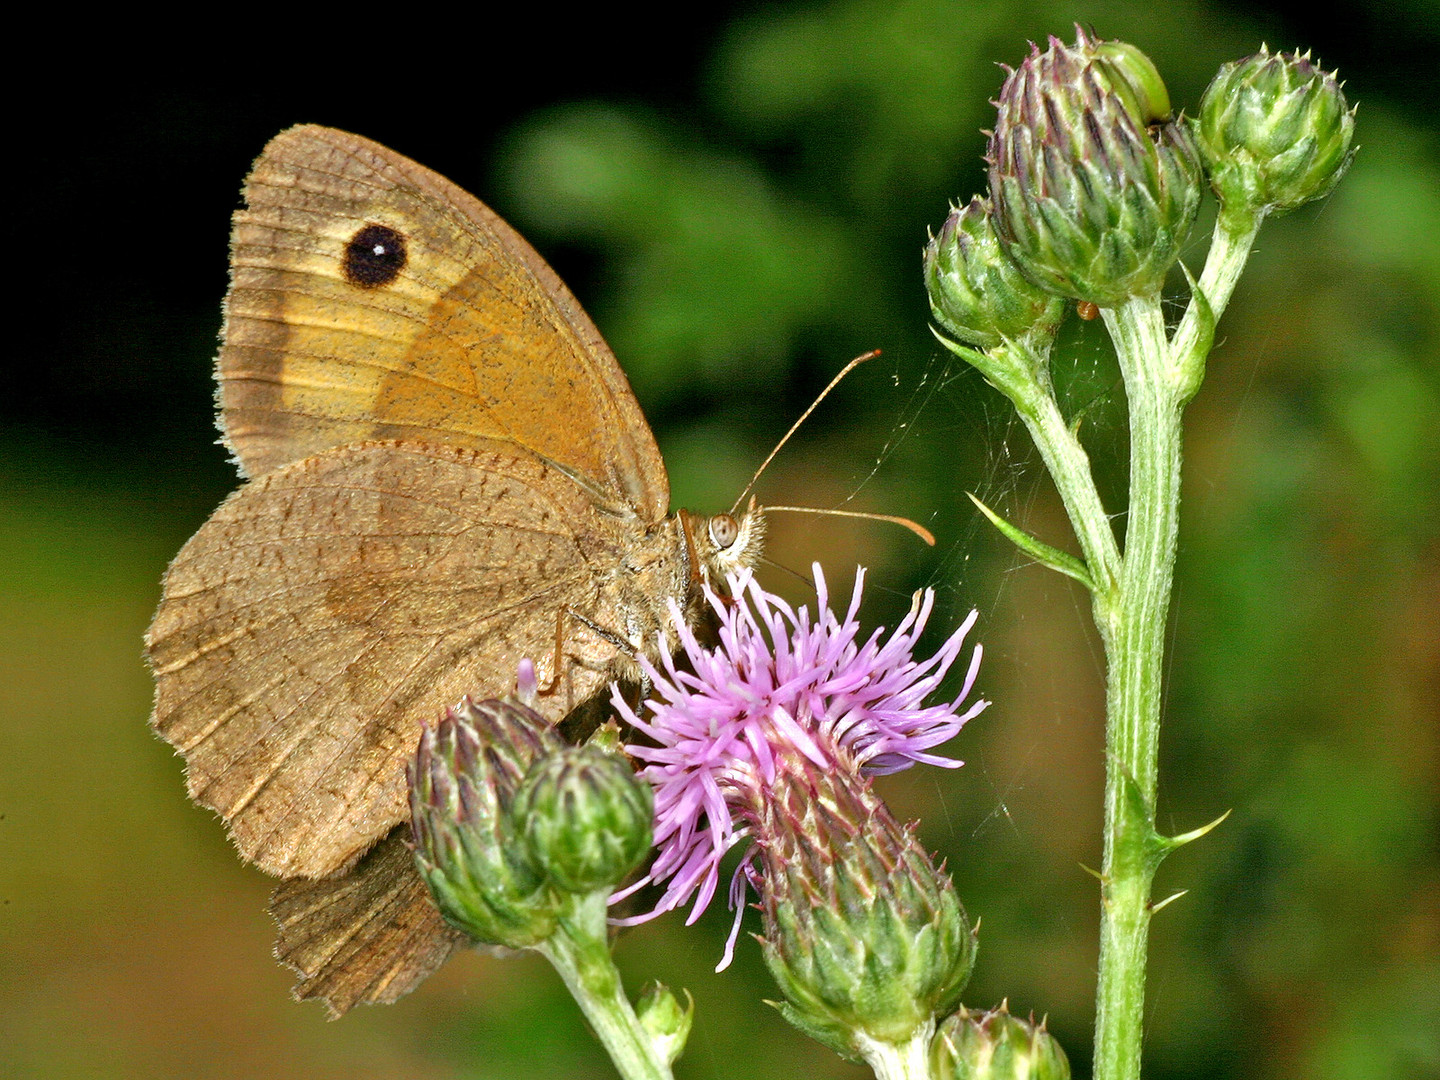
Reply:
x=673 y=564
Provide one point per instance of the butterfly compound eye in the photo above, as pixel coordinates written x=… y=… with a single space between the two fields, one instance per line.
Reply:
x=724 y=530
x=374 y=256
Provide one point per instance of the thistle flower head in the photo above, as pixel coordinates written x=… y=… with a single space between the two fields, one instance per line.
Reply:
x=995 y=1045
x=1275 y=133
x=863 y=932
x=780 y=687
x=468 y=849
x=1095 y=187
x=977 y=294
x=585 y=817
x=665 y=1020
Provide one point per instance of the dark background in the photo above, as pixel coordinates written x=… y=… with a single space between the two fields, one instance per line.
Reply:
x=739 y=197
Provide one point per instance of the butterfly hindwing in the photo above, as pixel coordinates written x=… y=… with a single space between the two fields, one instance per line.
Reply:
x=369 y=937
x=329 y=608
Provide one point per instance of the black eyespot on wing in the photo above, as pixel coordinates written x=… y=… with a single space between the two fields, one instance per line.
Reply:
x=374 y=257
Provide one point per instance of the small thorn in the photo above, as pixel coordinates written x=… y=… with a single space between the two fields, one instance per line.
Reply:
x=1169 y=899
x=1195 y=834
x=1096 y=874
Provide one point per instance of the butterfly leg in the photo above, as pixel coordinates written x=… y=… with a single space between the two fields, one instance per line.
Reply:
x=567 y=612
x=582 y=718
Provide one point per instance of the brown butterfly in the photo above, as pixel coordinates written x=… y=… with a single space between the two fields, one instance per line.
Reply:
x=448 y=473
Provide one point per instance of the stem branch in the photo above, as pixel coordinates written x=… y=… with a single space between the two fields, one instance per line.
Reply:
x=1230 y=246
x=1069 y=465
x=579 y=952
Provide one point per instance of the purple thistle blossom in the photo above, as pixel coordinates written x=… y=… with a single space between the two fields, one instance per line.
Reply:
x=779 y=684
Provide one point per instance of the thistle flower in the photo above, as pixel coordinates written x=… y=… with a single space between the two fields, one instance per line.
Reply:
x=468 y=848
x=664 y=1020
x=977 y=294
x=1095 y=187
x=780 y=687
x=585 y=817
x=1275 y=133
x=995 y=1045
x=863 y=932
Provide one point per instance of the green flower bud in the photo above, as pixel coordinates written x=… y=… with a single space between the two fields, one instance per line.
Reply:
x=1133 y=75
x=996 y=1046
x=469 y=851
x=586 y=817
x=667 y=1024
x=1095 y=188
x=863 y=933
x=1274 y=132
x=976 y=293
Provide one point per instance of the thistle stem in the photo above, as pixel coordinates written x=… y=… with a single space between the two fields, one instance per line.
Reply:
x=906 y=1061
x=1069 y=466
x=579 y=951
x=1132 y=602
x=1230 y=246
x=1135 y=645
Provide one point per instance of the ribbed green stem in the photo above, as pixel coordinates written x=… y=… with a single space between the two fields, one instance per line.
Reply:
x=580 y=953
x=1159 y=378
x=1069 y=465
x=1135 y=650
x=1131 y=596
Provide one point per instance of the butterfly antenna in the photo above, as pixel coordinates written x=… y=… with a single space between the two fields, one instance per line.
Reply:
x=918 y=529
x=851 y=366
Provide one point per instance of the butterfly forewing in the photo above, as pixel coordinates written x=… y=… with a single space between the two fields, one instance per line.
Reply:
x=371 y=298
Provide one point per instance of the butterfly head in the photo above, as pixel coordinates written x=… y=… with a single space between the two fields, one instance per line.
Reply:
x=723 y=543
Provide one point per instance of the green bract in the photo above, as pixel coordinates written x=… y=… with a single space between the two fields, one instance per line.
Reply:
x=467 y=847
x=1275 y=133
x=662 y=1018
x=585 y=816
x=995 y=1046
x=977 y=294
x=863 y=934
x=1095 y=189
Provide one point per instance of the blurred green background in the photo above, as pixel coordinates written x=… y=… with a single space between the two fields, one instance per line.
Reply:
x=739 y=196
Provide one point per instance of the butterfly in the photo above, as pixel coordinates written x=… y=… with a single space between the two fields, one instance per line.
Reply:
x=447 y=473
